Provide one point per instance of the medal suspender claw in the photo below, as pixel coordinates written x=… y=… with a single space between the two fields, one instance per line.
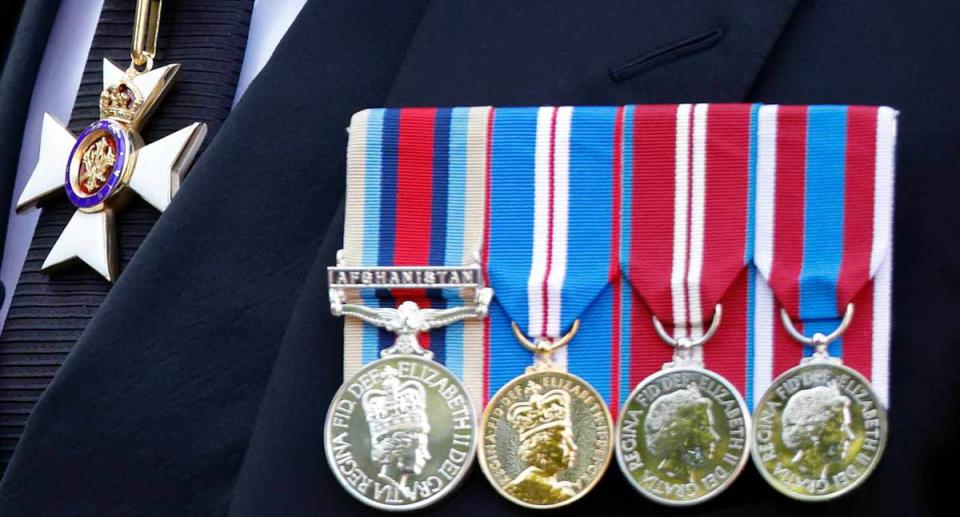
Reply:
x=101 y=167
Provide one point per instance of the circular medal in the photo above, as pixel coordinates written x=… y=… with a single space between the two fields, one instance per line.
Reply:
x=545 y=439
x=683 y=436
x=819 y=431
x=100 y=164
x=401 y=433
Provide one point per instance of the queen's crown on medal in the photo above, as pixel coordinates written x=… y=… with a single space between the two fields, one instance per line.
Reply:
x=540 y=411
x=399 y=406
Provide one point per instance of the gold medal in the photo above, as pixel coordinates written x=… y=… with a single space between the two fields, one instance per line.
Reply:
x=546 y=437
x=819 y=430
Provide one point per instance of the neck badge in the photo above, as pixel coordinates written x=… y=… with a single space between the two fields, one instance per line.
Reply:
x=105 y=164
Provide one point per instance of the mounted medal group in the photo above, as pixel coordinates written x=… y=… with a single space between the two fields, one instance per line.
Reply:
x=513 y=294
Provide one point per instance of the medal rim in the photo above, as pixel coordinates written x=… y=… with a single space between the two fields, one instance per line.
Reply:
x=747 y=424
x=451 y=487
x=482 y=460
x=119 y=175
x=884 y=427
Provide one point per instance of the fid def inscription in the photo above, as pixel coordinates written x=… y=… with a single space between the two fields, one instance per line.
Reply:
x=683 y=436
x=401 y=433
x=819 y=431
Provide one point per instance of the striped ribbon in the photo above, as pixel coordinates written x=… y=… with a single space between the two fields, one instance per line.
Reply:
x=549 y=237
x=685 y=231
x=824 y=208
x=416 y=195
x=560 y=200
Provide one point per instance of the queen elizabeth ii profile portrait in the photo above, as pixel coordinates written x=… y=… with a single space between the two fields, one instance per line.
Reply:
x=680 y=432
x=816 y=428
x=396 y=415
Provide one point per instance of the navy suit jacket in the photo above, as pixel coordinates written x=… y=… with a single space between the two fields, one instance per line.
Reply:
x=201 y=385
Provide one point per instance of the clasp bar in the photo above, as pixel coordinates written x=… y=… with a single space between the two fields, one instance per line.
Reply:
x=408 y=319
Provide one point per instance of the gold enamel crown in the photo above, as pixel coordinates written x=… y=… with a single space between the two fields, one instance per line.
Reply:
x=120 y=101
x=399 y=406
x=541 y=410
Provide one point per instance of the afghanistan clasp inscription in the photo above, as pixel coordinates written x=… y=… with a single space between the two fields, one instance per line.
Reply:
x=107 y=161
x=401 y=433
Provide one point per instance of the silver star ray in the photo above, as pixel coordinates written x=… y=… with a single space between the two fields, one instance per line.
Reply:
x=101 y=167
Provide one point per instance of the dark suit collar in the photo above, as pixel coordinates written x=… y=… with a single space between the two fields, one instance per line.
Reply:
x=18 y=76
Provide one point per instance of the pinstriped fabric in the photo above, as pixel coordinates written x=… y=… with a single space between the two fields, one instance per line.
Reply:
x=48 y=313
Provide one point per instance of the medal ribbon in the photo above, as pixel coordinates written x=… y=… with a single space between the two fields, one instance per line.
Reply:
x=686 y=219
x=550 y=237
x=684 y=200
x=824 y=210
x=415 y=197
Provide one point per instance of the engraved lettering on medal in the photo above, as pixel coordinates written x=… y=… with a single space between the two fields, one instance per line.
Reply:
x=412 y=277
x=546 y=439
x=819 y=431
x=400 y=432
x=682 y=436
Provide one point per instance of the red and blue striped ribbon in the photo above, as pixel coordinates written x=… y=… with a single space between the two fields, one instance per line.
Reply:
x=824 y=212
x=414 y=198
x=575 y=211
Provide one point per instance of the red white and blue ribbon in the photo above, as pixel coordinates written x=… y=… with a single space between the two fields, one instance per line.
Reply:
x=584 y=212
x=686 y=219
x=550 y=238
x=824 y=207
x=416 y=196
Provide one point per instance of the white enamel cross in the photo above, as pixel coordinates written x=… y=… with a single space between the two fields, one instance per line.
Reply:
x=123 y=165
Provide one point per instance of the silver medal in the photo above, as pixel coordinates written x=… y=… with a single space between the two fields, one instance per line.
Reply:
x=819 y=430
x=683 y=435
x=401 y=433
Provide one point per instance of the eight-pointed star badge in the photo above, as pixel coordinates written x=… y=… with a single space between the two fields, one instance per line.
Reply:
x=101 y=167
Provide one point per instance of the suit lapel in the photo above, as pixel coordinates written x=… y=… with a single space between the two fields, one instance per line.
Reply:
x=19 y=74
